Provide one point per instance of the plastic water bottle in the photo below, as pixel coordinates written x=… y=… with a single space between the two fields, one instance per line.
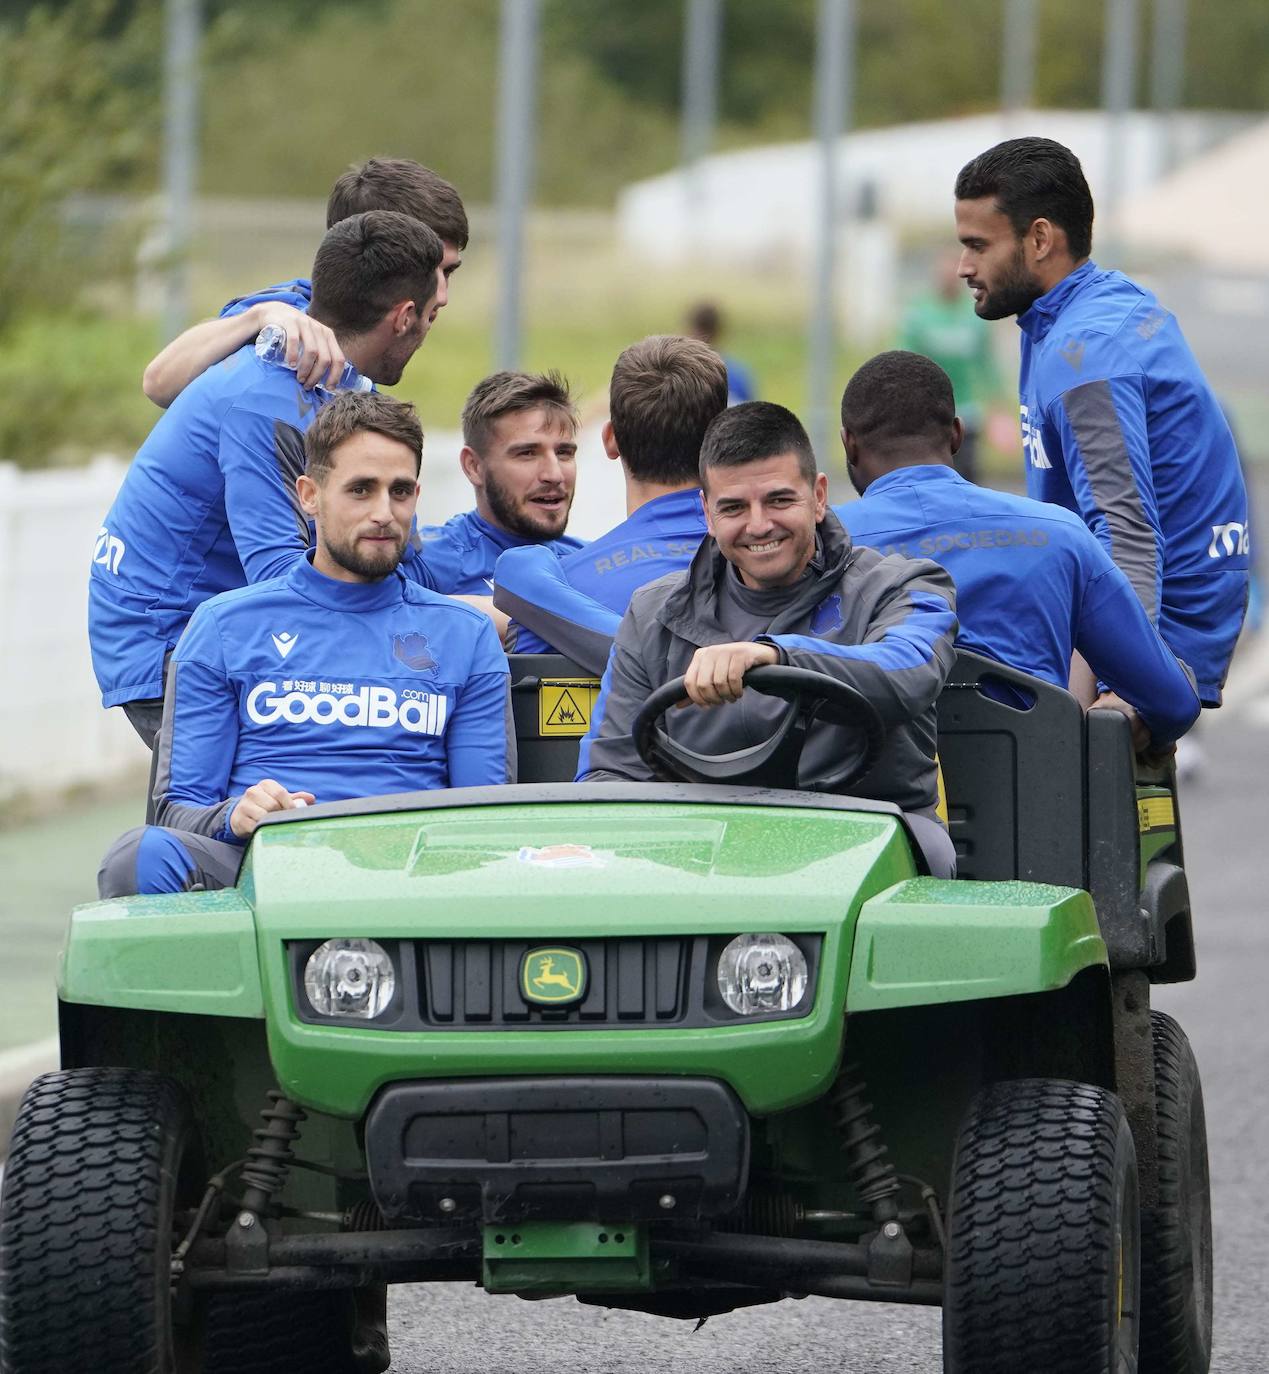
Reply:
x=271 y=348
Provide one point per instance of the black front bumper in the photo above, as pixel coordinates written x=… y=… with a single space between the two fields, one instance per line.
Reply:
x=569 y=1149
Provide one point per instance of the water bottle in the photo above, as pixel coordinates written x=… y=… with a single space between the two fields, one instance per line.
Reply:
x=271 y=348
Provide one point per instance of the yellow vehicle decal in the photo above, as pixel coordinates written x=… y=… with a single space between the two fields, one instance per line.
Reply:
x=565 y=705
x=1155 y=813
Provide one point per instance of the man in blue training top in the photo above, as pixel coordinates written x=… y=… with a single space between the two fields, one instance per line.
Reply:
x=1118 y=421
x=520 y=455
x=340 y=679
x=209 y=502
x=663 y=394
x=1031 y=582
x=382 y=183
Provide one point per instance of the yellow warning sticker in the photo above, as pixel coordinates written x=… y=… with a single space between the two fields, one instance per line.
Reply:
x=565 y=705
x=1155 y=813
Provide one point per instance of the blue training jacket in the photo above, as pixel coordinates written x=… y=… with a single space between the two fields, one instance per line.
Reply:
x=342 y=689
x=207 y=505
x=297 y=292
x=574 y=603
x=1031 y=585
x=460 y=554
x=1120 y=425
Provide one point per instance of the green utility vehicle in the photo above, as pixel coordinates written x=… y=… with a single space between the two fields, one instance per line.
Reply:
x=677 y=1047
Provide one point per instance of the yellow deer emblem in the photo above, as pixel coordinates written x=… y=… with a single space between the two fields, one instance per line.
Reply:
x=553 y=975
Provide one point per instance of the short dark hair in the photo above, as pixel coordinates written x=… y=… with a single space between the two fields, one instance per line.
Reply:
x=664 y=392
x=505 y=393
x=897 y=396
x=752 y=431
x=367 y=263
x=400 y=184
x=1030 y=179
x=705 y=320
x=352 y=412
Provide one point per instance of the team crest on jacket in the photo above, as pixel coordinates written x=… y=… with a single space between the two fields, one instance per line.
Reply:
x=827 y=616
x=412 y=650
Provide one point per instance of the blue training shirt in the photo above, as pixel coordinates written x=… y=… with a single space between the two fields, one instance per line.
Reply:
x=460 y=554
x=573 y=604
x=1031 y=585
x=297 y=292
x=342 y=689
x=1120 y=425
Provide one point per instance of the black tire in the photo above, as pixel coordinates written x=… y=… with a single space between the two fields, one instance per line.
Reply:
x=1176 y=1236
x=1042 y=1265
x=283 y=1333
x=99 y=1162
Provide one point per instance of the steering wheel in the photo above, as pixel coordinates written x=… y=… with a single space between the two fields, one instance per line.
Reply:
x=775 y=761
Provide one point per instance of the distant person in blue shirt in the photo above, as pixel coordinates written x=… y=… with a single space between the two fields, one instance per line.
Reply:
x=520 y=455
x=705 y=322
x=663 y=394
x=382 y=183
x=1118 y=422
x=340 y=679
x=209 y=502
x=1031 y=582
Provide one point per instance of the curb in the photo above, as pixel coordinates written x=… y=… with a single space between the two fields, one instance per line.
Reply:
x=17 y=1068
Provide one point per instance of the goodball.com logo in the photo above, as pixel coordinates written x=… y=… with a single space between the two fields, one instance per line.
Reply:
x=375 y=707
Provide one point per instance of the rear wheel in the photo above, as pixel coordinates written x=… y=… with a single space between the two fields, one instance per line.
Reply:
x=100 y=1163
x=1043 y=1234
x=1176 y=1236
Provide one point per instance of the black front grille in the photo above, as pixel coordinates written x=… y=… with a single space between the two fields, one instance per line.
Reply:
x=476 y=983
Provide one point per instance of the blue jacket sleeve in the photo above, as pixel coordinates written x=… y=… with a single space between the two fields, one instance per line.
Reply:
x=199 y=736
x=907 y=652
x=260 y=457
x=530 y=586
x=1124 y=650
x=480 y=739
x=1105 y=447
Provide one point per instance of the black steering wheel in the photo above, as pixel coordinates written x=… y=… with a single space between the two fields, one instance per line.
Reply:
x=775 y=761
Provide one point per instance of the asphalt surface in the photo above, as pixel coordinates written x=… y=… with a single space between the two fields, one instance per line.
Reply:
x=452 y=1329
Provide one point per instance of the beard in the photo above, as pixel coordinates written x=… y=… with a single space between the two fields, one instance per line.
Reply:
x=535 y=526
x=374 y=563
x=1014 y=294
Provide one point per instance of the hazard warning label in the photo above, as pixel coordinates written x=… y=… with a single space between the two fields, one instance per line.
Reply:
x=565 y=705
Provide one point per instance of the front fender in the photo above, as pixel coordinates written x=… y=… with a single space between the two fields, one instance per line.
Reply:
x=929 y=940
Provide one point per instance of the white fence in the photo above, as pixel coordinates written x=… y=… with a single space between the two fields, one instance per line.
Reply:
x=55 y=734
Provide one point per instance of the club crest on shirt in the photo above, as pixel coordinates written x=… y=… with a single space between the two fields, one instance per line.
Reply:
x=412 y=650
x=827 y=616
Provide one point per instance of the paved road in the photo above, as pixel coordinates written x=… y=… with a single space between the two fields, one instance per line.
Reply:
x=460 y=1330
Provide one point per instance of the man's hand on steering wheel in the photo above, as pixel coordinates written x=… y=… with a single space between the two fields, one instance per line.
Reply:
x=716 y=673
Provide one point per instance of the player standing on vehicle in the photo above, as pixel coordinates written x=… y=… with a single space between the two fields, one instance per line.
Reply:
x=382 y=183
x=664 y=392
x=781 y=582
x=340 y=679
x=1118 y=422
x=520 y=455
x=209 y=501
x=1031 y=582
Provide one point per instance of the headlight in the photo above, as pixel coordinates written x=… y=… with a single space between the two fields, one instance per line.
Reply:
x=349 y=978
x=758 y=973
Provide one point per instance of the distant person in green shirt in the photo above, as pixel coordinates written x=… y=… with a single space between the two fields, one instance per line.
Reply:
x=941 y=323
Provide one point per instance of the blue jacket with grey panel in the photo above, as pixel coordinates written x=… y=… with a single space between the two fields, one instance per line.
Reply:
x=884 y=625
x=337 y=688
x=1031 y=585
x=1120 y=425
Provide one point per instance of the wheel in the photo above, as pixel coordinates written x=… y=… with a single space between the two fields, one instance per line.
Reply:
x=1176 y=1236
x=100 y=1163
x=296 y=1332
x=1042 y=1263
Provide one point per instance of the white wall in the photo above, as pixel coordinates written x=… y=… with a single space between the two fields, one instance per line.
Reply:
x=53 y=731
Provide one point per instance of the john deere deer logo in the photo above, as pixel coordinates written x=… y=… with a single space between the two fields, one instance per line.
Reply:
x=553 y=976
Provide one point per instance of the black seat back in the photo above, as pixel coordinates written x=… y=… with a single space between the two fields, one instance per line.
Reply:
x=552 y=701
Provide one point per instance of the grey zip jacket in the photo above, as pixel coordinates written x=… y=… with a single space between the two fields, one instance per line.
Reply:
x=885 y=625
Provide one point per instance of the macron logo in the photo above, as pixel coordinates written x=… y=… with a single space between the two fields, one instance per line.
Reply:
x=284 y=642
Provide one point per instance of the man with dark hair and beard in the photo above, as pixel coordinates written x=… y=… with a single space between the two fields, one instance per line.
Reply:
x=342 y=678
x=520 y=455
x=1118 y=422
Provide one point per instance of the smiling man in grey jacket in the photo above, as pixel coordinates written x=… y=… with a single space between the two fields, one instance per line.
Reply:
x=779 y=581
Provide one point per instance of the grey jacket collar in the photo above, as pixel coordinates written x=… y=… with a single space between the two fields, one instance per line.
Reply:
x=691 y=610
